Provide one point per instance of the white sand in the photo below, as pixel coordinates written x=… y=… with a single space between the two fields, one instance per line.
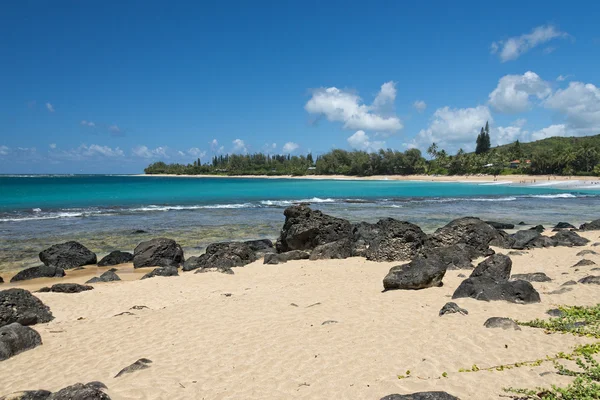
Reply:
x=256 y=345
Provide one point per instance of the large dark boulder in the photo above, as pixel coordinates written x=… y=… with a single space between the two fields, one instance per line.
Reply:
x=261 y=246
x=28 y=395
x=591 y=226
x=395 y=241
x=79 y=391
x=470 y=231
x=362 y=235
x=115 y=258
x=67 y=288
x=19 y=305
x=68 y=255
x=569 y=238
x=334 y=250
x=487 y=289
x=497 y=266
x=281 y=258
x=43 y=271
x=521 y=239
x=305 y=229
x=420 y=273
x=16 y=338
x=224 y=256
x=564 y=225
x=421 y=396
x=590 y=279
x=108 y=276
x=162 y=271
x=159 y=252
x=457 y=256
x=500 y=225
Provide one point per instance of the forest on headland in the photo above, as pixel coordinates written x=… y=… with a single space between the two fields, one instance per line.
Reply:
x=555 y=155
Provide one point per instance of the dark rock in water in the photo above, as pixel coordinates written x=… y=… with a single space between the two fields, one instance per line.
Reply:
x=591 y=226
x=564 y=225
x=591 y=279
x=452 y=308
x=159 y=252
x=67 y=288
x=555 y=312
x=68 y=255
x=472 y=232
x=521 y=223
x=280 y=258
x=108 y=276
x=421 y=396
x=28 y=395
x=538 y=228
x=261 y=246
x=456 y=256
x=142 y=363
x=569 y=283
x=334 y=250
x=497 y=267
x=499 y=322
x=162 y=271
x=420 y=273
x=583 y=263
x=116 y=258
x=517 y=253
x=569 y=238
x=19 y=305
x=395 y=241
x=305 y=229
x=224 y=255
x=500 y=225
x=138 y=231
x=79 y=391
x=16 y=338
x=43 y=271
x=533 y=277
x=586 y=252
x=487 y=289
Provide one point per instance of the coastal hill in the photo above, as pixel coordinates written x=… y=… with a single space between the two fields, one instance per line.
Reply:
x=554 y=155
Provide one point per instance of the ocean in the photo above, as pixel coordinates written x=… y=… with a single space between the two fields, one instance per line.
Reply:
x=108 y=213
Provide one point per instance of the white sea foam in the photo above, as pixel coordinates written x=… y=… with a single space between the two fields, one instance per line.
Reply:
x=553 y=196
x=285 y=203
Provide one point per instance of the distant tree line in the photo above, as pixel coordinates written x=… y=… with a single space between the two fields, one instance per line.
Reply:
x=557 y=155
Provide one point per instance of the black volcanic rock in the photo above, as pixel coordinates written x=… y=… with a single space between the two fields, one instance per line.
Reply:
x=43 y=271
x=420 y=273
x=500 y=225
x=591 y=226
x=68 y=255
x=223 y=255
x=67 y=288
x=16 y=338
x=19 y=305
x=470 y=231
x=108 y=276
x=158 y=252
x=421 y=396
x=569 y=239
x=395 y=241
x=335 y=250
x=115 y=258
x=497 y=266
x=281 y=258
x=532 y=277
x=162 y=271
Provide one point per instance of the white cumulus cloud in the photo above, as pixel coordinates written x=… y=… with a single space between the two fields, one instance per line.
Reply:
x=4 y=150
x=342 y=106
x=50 y=107
x=88 y=123
x=196 y=152
x=290 y=147
x=513 y=93
x=550 y=131
x=145 y=152
x=361 y=141
x=512 y=48
x=420 y=105
x=239 y=146
x=52 y=145
x=580 y=104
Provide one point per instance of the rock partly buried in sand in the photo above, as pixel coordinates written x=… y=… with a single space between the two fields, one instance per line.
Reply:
x=472 y=232
x=261 y=247
x=503 y=323
x=142 y=363
x=569 y=238
x=16 y=338
x=591 y=279
x=395 y=241
x=305 y=229
x=162 y=271
x=452 y=308
x=28 y=395
x=68 y=255
x=500 y=225
x=487 y=289
x=497 y=266
x=158 y=252
x=19 y=305
x=224 y=256
x=79 y=391
x=421 y=396
x=420 y=273
x=586 y=252
x=538 y=228
x=532 y=277
x=335 y=250
x=115 y=258
x=569 y=283
x=564 y=225
x=457 y=256
x=517 y=253
x=555 y=312
x=108 y=276
x=281 y=258
x=43 y=271
x=530 y=239
x=1 y=280
x=591 y=226
x=66 y=288
x=583 y=263
x=226 y=271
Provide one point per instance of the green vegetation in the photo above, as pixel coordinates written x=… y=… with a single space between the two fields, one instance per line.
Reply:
x=556 y=156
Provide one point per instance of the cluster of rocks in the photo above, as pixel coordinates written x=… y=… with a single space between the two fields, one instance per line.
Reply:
x=78 y=391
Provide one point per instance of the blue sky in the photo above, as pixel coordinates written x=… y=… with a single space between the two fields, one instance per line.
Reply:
x=108 y=87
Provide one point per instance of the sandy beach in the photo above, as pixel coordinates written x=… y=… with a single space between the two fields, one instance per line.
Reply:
x=260 y=334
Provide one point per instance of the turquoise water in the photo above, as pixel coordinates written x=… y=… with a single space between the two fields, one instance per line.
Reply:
x=104 y=211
